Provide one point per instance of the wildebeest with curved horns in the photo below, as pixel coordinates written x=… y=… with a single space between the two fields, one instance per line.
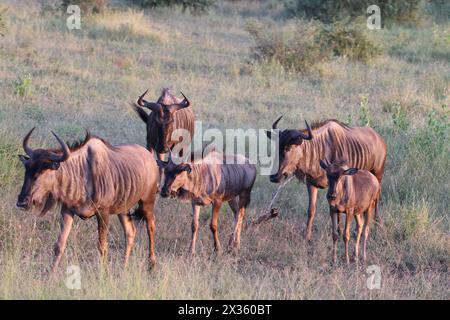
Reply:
x=91 y=178
x=168 y=114
x=330 y=140
x=212 y=180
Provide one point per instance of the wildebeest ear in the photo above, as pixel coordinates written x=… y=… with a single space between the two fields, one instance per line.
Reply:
x=161 y=164
x=323 y=165
x=23 y=158
x=350 y=171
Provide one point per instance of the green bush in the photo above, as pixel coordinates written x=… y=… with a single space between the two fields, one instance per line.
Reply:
x=302 y=45
x=195 y=6
x=22 y=86
x=87 y=6
x=348 y=39
x=439 y=9
x=294 y=47
x=392 y=11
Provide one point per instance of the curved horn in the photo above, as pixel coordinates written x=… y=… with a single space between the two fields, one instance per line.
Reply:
x=185 y=103
x=310 y=134
x=141 y=99
x=151 y=105
x=274 y=125
x=65 y=150
x=178 y=106
x=26 y=148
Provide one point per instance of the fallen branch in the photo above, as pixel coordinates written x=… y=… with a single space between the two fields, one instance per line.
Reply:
x=271 y=212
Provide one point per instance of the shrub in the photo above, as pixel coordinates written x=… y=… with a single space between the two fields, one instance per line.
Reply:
x=348 y=40
x=392 y=11
x=22 y=86
x=195 y=6
x=294 y=47
x=302 y=45
x=87 y=6
x=439 y=9
x=433 y=140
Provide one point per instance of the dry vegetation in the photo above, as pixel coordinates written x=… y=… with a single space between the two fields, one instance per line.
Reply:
x=66 y=80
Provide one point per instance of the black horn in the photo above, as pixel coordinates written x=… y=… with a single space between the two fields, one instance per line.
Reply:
x=185 y=103
x=26 y=148
x=150 y=105
x=310 y=134
x=274 y=125
x=65 y=151
x=178 y=106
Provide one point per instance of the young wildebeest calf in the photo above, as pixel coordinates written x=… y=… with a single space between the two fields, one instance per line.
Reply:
x=90 y=179
x=354 y=192
x=212 y=180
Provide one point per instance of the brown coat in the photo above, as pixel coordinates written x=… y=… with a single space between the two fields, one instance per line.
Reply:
x=91 y=178
x=301 y=150
x=212 y=180
x=355 y=193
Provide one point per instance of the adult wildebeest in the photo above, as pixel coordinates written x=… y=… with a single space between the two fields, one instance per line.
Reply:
x=212 y=180
x=354 y=192
x=301 y=150
x=91 y=178
x=168 y=114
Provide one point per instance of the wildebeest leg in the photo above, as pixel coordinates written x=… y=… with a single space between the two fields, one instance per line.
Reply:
x=244 y=200
x=160 y=156
x=339 y=226
x=379 y=175
x=194 y=226
x=312 y=193
x=335 y=234
x=130 y=233
x=369 y=213
x=348 y=222
x=234 y=205
x=214 y=225
x=60 y=245
x=359 y=229
x=103 y=223
x=147 y=207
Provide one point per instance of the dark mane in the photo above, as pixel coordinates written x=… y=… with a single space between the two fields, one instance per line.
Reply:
x=76 y=145
x=321 y=123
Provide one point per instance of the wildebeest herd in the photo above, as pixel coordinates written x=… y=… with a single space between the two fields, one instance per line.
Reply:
x=93 y=178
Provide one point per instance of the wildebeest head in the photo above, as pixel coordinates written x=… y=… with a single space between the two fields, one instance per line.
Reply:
x=40 y=165
x=175 y=177
x=288 y=139
x=335 y=171
x=164 y=110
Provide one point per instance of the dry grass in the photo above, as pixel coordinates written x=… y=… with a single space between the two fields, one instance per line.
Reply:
x=129 y=25
x=79 y=81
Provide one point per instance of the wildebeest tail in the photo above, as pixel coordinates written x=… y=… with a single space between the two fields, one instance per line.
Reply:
x=377 y=214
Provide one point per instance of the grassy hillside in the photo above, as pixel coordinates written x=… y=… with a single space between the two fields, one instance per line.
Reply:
x=72 y=80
